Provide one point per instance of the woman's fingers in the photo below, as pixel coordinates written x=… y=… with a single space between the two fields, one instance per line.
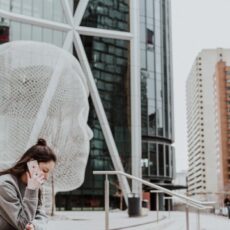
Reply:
x=29 y=227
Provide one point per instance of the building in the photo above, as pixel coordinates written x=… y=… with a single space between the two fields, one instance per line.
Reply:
x=158 y=162
x=110 y=64
x=204 y=150
x=222 y=92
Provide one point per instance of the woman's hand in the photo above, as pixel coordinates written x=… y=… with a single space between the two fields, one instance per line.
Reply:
x=30 y=227
x=35 y=180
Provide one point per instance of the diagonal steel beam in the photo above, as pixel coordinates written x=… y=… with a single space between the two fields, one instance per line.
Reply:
x=68 y=43
x=104 y=33
x=35 y=21
x=79 y=13
x=101 y=114
x=67 y=12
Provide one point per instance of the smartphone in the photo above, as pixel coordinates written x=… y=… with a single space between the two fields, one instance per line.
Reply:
x=33 y=167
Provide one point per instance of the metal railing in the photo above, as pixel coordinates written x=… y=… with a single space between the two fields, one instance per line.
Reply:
x=199 y=205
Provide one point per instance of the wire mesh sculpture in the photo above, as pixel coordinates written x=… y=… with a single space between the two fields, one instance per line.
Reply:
x=44 y=94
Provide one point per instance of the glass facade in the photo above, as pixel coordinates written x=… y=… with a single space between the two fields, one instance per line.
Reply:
x=156 y=85
x=109 y=61
x=49 y=10
x=110 y=64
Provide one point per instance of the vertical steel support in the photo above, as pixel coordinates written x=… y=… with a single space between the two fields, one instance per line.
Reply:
x=157 y=206
x=169 y=207
x=106 y=202
x=135 y=94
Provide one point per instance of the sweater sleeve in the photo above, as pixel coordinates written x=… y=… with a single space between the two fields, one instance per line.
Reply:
x=41 y=219
x=13 y=211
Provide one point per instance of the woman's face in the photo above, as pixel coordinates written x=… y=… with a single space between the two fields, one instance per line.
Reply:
x=46 y=168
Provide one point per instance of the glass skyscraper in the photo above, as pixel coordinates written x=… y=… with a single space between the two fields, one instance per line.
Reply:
x=110 y=64
x=109 y=60
x=158 y=158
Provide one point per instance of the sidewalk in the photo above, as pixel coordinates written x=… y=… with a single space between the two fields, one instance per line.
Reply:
x=119 y=220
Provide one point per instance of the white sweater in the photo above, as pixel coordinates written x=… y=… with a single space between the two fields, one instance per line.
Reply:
x=19 y=205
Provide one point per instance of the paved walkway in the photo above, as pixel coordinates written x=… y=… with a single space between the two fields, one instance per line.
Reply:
x=120 y=220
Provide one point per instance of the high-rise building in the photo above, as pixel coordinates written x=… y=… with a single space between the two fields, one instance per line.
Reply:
x=202 y=124
x=110 y=64
x=222 y=109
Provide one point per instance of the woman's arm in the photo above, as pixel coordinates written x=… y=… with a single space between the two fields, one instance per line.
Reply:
x=41 y=219
x=12 y=210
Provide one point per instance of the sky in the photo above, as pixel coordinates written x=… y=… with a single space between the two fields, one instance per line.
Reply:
x=196 y=25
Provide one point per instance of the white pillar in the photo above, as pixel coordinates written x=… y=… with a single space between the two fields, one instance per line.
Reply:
x=135 y=94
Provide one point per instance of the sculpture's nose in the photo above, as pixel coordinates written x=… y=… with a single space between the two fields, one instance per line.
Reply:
x=89 y=132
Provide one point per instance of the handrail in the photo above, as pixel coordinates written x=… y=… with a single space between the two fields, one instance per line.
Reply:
x=199 y=205
x=189 y=201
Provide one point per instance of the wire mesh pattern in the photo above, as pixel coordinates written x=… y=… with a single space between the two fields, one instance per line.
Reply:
x=44 y=94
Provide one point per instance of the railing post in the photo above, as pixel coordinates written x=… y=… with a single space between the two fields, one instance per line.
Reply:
x=187 y=216
x=157 y=206
x=198 y=219
x=106 y=202
x=189 y=202
x=169 y=207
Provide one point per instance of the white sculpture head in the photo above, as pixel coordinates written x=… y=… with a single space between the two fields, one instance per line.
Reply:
x=43 y=93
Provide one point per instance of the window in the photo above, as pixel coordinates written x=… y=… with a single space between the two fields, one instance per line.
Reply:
x=149 y=37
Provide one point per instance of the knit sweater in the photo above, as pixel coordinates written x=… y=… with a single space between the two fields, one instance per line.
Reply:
x=19 y=205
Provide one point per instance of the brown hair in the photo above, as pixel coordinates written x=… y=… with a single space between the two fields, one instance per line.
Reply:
x=40 y=152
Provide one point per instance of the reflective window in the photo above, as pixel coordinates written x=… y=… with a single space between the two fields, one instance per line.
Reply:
x=153 y=159
x=161 y=159
x=107 y=14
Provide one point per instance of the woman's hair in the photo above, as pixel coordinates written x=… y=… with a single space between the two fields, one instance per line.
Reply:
x=40 y=152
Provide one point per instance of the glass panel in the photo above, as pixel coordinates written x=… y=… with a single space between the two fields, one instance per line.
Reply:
x=149 y=8
x=15 y=31
x=143 y=58
x=167 y=163
x=157 y=9
x=151 y=117
x=142 y=8
x=159 y=119
x=107 y=14
x=161 y=159
x=151 y=88
x=48 y=10
x=144 y=103
x=145 y=159
x=5 y=4
x=153 y=159
x=27 y=7
x=109 y=61
x=158 y=59
x=150 y=60
x=38 y=9
x=143 y=32
x=20 y=31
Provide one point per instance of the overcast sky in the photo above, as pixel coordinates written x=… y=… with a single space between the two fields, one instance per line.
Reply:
x=196 y=25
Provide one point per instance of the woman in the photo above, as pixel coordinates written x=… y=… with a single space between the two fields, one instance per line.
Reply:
x=20 y=194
